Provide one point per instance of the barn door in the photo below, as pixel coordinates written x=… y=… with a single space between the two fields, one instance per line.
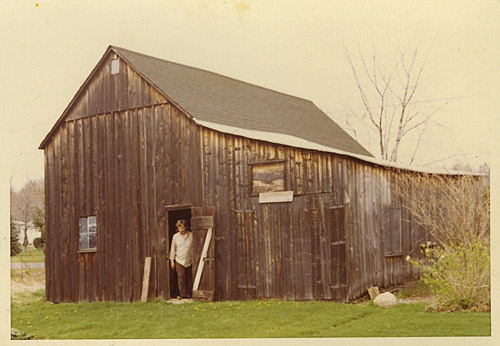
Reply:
x=338 y=252
x=202 y=226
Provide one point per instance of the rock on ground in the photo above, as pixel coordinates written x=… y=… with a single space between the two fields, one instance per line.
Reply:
x=386 y=299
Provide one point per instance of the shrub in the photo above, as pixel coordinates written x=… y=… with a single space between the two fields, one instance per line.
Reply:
x=39 y=243
x=416 y=288
x=16 y=335
x=459 y=276
x=455 y=211
x=15 y=247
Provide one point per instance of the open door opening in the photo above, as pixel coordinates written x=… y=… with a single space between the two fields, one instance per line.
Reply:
x=173 y=216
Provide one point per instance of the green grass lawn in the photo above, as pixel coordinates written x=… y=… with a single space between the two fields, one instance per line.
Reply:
x=249 y=319
x=30 y=255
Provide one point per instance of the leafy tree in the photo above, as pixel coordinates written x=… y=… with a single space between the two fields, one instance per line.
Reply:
x=15 y=247
x=39 y=221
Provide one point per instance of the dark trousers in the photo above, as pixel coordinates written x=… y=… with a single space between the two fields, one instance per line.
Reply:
x=184 y=279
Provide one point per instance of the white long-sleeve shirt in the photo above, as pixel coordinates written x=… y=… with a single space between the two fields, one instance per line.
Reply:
x=181 y=249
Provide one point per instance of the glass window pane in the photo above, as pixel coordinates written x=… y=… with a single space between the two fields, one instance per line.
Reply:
x=92 y=221
x=268 y=177
x=84 y=241
x=83 y=225
x=92 y=240
x=87 y=233
x=92 y=224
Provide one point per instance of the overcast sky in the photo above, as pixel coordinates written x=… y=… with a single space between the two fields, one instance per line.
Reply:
x=296 y=47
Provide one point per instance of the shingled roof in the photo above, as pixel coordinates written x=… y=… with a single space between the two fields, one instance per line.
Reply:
x=232 y=106
x=212 y=98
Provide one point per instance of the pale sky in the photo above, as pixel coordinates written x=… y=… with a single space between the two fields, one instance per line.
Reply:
x=295 y=47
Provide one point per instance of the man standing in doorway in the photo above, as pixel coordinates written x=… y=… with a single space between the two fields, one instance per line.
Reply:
x=181 y=258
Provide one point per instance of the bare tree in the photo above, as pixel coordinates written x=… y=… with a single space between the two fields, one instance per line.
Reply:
x=23 y=203
x=453 y=209
x=389 y=97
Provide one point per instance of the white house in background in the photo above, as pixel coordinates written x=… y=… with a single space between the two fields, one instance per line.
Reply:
x=32 y=232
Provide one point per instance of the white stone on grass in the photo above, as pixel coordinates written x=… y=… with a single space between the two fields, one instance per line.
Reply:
x=386 y=300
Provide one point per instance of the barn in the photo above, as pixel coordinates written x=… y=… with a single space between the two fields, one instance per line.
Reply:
x=281 y=201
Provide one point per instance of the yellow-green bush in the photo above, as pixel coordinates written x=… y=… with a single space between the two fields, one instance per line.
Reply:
x=459 y=276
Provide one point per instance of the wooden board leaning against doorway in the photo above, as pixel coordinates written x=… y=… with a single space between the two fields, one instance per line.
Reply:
x=203 y=228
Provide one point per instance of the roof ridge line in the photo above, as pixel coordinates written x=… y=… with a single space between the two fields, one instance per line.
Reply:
x=214 y=73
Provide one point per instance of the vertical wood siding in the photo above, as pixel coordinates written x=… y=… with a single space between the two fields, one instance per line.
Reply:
x=124 y=167
x=106 y=93
x=124 y=153
x=284 y=249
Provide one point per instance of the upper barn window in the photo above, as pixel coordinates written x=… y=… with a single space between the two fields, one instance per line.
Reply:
x=88 y=233
x=115 y=66
x=267 y=177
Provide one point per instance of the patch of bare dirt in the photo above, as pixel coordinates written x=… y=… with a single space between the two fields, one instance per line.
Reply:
x=25 y=282
x=412 y=300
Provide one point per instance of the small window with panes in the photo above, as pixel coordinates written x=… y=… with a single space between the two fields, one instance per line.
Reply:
x=88 y=234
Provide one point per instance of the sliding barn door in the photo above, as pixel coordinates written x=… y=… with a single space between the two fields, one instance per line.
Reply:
x=202 y=226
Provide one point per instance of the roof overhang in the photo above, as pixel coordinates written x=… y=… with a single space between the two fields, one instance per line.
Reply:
x=272 y=137
x=279 y=138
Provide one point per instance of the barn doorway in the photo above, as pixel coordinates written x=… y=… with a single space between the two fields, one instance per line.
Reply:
x=173 y=216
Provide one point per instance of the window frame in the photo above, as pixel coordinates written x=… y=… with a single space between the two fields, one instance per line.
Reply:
x=88 y=223
x=252 y=165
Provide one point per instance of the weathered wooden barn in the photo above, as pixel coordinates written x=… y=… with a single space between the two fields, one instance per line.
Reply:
x=291 y=205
